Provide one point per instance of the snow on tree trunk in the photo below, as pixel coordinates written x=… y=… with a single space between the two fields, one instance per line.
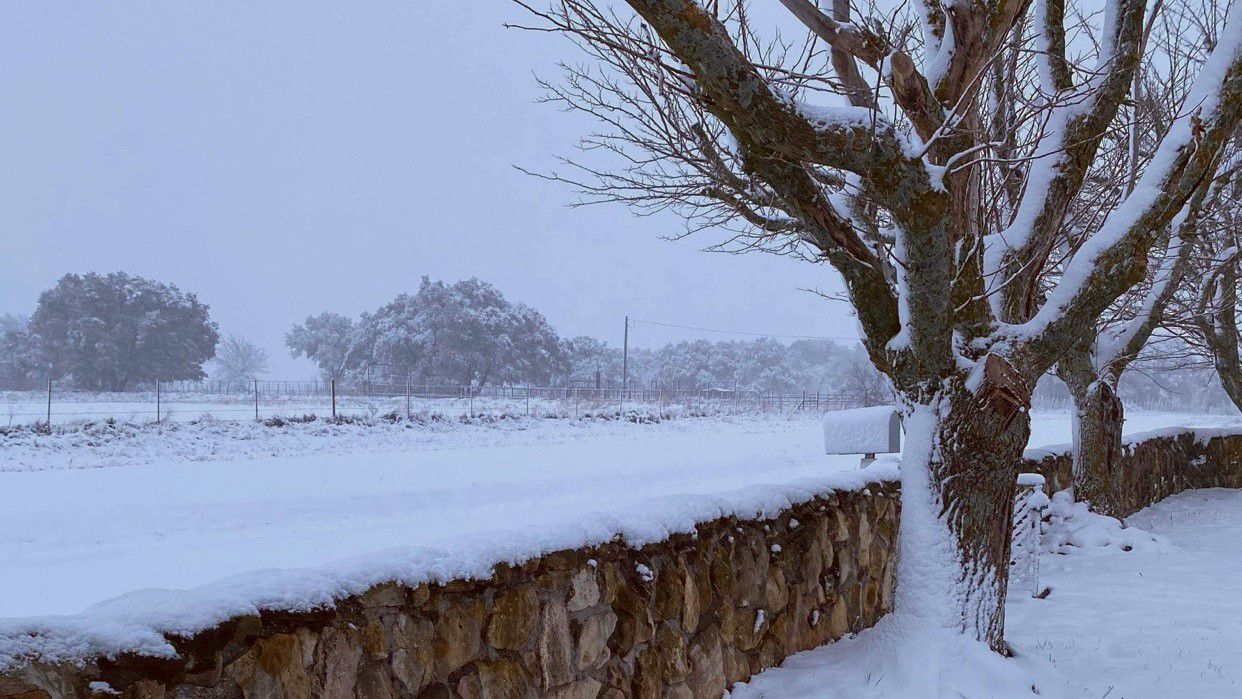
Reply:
x=957 y=482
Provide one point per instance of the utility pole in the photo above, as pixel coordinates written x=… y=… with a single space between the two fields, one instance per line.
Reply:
x=625 y=366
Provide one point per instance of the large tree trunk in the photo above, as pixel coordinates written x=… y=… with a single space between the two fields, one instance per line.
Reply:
x=1097 y=420
x=957 y=481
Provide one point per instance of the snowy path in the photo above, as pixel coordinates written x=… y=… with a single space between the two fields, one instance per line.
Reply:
x=1163 y=620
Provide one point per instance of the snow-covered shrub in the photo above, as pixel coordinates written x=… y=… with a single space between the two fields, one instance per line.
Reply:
x=1070 y=526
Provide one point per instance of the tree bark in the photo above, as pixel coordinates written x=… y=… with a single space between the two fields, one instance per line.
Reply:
x=958 y=472
x=1098 y=418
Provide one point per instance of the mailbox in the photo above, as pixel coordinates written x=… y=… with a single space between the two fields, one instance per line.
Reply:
x=866 y=431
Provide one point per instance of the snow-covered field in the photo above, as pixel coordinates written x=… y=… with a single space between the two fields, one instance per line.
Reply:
x=70 y=408
x=322 y=508
x=73 y=537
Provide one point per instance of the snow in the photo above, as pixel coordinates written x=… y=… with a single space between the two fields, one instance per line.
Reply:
x=862 y=431
x=1156 y=621
x=172 y=546
x=1153 y=622
x=108 y=541
x=104 y=445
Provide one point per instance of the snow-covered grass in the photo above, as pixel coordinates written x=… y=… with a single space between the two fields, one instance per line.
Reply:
x=73 y=537
x=173 y=530
x=139 y=407
x=110 y=443
x=1157 y=620
x=327 y=527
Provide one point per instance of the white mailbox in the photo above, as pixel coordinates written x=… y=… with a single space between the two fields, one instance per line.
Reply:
x=866 y=431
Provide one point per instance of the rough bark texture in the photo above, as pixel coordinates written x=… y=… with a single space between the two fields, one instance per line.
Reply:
x=980 y=443
x=1098 y=417
x=1218 y=324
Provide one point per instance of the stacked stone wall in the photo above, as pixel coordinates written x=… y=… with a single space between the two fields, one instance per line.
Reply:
x=684 y=617
x=1156 y=467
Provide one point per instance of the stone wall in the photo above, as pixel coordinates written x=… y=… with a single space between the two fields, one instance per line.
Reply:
x=1155 y=467
x=685 y=617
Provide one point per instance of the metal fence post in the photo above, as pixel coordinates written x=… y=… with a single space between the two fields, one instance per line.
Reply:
x=407 y=398
x=333 y=399
x=528 y=400
x=1028 y=510
x=256 y=399
x=157 y=401
x=49 y=404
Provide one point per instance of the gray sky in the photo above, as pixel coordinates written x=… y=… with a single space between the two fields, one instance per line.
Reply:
x=284 y=158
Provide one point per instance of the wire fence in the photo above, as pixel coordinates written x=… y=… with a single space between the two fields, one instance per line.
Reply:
x=59 y=402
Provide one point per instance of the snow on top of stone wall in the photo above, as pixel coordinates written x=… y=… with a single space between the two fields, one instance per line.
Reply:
x=137 y=622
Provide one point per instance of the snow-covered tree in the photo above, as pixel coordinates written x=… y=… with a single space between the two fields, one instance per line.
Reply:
x=461 y=333
x=239 y=360
x=952 y=243
x=21 y=355
x=324 y=339
x=1174 y=48
x=109 y=331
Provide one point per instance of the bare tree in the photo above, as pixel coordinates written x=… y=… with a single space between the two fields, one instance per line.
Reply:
x=239 y=360
x=951 y=242
x=1092 y=369
x=861 y=382
x=1210 y=306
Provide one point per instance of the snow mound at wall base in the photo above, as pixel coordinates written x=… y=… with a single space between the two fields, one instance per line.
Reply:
x=896 y=660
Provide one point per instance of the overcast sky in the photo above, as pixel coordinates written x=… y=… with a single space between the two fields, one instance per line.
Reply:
x=285 y=158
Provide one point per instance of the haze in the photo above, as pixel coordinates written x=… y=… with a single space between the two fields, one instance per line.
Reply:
x=284 y=158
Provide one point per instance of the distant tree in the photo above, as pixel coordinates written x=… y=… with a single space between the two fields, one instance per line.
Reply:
x=108 y=331
x=588 y=357
x=691 y=366
x=324 y=339
x=239 y=361
x=764 y=365
x=21 y=356
x=463 y=333
x=863 y=383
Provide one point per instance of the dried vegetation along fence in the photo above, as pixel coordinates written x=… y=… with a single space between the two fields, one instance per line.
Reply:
x=57 y=402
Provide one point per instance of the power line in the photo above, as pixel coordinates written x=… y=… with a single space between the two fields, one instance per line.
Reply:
x=743 y=332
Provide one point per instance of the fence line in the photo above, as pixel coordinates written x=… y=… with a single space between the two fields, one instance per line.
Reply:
x=182 y=400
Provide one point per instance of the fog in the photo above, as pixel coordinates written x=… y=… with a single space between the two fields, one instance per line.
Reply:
x=285 y=158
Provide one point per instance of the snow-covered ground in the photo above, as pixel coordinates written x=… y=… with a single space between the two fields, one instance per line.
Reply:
x=73 y=537
x=1161 y=620
x=86 y=517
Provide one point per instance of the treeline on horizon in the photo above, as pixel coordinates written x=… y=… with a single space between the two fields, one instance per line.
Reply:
x=112 y=332
x=116 y=331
